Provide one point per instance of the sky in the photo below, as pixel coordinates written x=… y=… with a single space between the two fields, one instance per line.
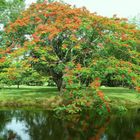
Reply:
x=122 y=8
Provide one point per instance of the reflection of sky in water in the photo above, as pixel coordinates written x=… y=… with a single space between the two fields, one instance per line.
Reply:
x=104 y=137
x=18 y=127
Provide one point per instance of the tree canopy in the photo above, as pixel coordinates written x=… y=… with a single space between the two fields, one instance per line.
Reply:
x=73 y=45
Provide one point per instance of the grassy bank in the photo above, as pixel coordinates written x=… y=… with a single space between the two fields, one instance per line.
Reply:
x=31 y=96
x=120 y=97
x=48 y=97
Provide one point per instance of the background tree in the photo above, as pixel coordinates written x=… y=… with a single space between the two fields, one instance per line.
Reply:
x=135 y=20
x=9 y=10
x=13 y=74
x=33 y=78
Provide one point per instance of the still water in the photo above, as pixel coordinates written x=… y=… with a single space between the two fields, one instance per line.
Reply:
x=41 y=125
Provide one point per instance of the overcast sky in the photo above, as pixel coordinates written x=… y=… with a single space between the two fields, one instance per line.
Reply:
x=123 y=8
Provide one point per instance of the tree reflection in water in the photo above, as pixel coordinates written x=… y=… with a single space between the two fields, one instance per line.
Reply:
x=41 y=125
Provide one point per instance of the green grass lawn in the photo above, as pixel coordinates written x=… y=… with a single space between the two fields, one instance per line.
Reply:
x=29 y=96
x=49 y=96
x=119 y=96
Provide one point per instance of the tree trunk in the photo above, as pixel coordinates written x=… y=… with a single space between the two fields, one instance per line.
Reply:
x=58 y=79
x=18 y=85
x=59 y=84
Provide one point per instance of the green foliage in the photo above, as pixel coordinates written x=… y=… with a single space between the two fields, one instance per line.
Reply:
x=33 y=78
x=77 y=101
x=135 y=20
x=114 y=72
x=16 y=74
x=10 y=10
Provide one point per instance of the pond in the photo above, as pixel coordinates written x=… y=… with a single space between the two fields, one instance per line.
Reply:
x=41 y=125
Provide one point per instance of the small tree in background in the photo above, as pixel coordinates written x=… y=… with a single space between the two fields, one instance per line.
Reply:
x=135 y=20
x=9 y=10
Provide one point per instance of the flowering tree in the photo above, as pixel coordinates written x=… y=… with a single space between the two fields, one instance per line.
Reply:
x=73 y=45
